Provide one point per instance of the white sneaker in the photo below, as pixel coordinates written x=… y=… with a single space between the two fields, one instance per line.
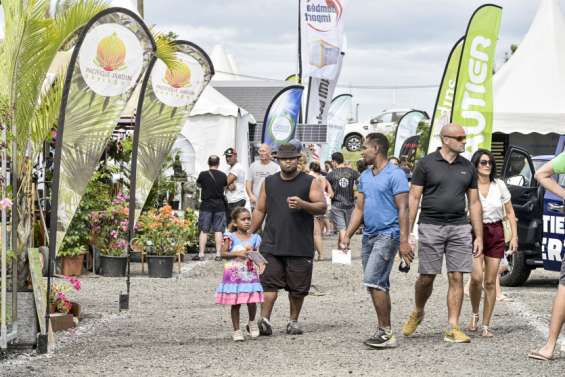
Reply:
x=252 y=330
x=238 y=336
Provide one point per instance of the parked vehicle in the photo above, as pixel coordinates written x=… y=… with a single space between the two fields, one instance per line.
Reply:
x=540 y=213
x=384 y=122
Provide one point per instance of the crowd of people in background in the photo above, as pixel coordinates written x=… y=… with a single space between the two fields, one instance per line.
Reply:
x=457 y=208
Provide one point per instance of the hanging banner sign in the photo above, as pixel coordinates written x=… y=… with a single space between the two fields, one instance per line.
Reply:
x=281 y=117
x=444 y=101
x=322 y=37
x=407 y=127
x=113 y=51
x=472 y=106
x=320 y=94
x=166 y=99
x=340 y=114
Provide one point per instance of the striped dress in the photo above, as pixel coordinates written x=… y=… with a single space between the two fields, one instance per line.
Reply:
x=240 y=283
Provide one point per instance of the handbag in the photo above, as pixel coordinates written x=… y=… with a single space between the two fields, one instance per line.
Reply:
x=505 y=222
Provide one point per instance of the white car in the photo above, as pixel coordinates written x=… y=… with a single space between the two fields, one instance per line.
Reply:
x=384 y=122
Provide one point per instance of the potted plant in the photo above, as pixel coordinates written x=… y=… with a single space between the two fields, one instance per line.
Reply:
x=72 y=255
x=110 y=236
x=168 y=234
x=62 y=310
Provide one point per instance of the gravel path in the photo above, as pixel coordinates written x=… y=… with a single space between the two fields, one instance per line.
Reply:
x=173 y=328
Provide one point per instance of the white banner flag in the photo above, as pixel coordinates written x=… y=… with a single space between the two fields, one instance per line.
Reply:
x=322 y=37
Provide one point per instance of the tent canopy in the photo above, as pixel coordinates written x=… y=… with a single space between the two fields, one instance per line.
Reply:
x=529 y=90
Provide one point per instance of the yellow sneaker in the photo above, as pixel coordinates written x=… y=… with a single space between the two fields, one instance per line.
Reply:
x=455 y=335
x=412 y=324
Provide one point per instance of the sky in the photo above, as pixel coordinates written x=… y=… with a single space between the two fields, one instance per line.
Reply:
x=390 y=42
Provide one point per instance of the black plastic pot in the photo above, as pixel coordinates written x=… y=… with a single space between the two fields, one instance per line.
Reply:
x=160 y=266
x=113 y=266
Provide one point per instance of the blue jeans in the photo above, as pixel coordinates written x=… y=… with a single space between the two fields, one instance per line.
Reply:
x=377 y=253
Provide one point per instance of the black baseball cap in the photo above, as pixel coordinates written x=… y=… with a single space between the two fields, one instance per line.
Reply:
x=230 y=152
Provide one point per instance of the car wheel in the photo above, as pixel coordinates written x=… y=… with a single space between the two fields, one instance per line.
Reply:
x=353 y=142
x=518 y=271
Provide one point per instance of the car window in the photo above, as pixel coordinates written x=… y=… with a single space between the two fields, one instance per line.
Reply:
x=519 y=171
x=385 y=118
x=396 y=117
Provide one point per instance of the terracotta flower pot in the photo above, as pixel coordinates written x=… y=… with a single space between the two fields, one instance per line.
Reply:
x=72 y=266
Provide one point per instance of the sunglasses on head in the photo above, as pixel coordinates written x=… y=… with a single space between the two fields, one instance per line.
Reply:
x=458 y=138
x=485 y=162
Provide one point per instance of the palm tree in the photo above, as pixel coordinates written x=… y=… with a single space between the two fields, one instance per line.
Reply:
x=32 y=38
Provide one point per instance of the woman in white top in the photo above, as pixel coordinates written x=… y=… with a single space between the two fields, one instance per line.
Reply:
x=495 y=200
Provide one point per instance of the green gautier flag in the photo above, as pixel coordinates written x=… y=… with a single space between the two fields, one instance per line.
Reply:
x=444 y=102
x=472 y=107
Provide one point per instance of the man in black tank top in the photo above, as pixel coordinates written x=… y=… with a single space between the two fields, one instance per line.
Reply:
x=290 y=200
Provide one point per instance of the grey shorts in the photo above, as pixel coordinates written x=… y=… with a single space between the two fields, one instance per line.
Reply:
x=212 y=221
x=340 y=217
x=455 y=241
x=562 y=276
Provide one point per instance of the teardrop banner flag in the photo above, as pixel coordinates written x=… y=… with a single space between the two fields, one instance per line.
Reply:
x=166 y=99
x=340 y=113
x=444 y=101
x=112 y=53
x=407 y=127
x=472 y=106
x=281 y=117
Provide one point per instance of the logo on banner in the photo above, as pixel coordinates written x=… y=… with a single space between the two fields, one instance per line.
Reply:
x=281 y=127
x=110 y=59
x=323 y=15
x=177 y=86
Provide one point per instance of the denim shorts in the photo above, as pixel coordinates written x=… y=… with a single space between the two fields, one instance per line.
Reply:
x=378 y=252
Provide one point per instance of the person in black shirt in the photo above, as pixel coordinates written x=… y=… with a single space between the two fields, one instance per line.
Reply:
x=212 y=216
x=290 y=200
x=444 y=181
x=342 y=179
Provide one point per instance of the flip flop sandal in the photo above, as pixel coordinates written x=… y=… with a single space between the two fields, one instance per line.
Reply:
x=538 y=356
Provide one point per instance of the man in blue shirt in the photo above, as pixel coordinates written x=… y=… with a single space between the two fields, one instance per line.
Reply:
x=382 y=206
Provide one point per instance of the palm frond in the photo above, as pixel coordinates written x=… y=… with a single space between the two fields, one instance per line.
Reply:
x=32 y=40
x=166 y=50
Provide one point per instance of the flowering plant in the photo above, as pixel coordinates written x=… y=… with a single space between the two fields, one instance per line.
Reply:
x=59 y=293
x=167 y=232
x=110 y=227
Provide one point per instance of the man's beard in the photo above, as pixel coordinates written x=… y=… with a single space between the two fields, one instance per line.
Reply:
x=289 y=171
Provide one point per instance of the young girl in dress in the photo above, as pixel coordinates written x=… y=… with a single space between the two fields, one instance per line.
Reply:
x=240 y=283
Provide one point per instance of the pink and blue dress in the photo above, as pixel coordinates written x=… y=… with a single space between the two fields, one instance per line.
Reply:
x=240 y=283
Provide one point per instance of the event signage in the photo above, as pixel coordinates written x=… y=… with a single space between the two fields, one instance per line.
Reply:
x=407 y=128
x=321 y=25
x=112 y=52
x=473 y=100
x=444 y=101
x=167 y=96
x=341 y=112
x=281 y=117
x=320 y=93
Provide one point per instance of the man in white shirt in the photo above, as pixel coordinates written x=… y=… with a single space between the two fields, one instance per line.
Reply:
x=235 y=193
x=258 y=171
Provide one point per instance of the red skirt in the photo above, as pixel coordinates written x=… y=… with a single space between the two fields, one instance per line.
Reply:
x=493 y=240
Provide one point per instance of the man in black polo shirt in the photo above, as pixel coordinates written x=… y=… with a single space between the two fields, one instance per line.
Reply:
x=444 y=180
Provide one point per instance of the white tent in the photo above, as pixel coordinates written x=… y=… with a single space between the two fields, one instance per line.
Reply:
x=214 y=125
x=529 y=90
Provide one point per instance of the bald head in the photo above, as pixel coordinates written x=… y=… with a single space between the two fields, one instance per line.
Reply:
x=451 y=129
x=453 y=138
